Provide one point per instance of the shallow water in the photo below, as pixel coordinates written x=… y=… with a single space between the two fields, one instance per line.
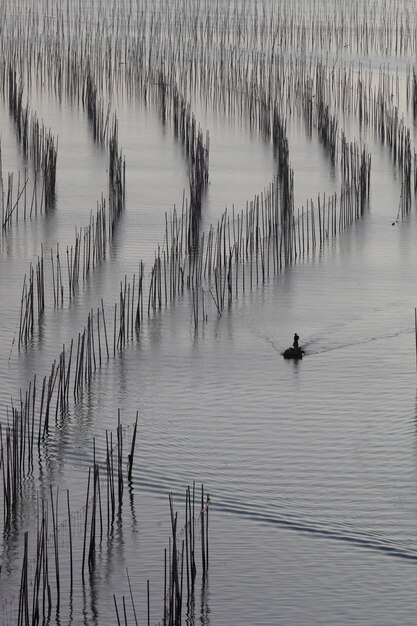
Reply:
x=310 y=465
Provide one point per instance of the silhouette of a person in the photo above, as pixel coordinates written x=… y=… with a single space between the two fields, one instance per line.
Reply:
x=295 y=342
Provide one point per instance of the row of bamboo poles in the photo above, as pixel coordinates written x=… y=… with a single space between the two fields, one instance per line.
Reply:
x=81 y=259
x=382 y=28
x=92 y=241
x=50 y=589
x=180 y=565
x=21 y=435
x=241 y=252
x=154 y=50
x=353 y=176
x=237 y=253
x=374 y=107
x=38 y=144
x=184 y=124
x=264 y=239
x=182 y=64
x=21 y=199
x=97 y=115
x=56 y=577
x=301 y=83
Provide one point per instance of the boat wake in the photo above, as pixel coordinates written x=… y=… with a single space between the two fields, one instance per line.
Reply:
x=311 y=347
x=359 y=538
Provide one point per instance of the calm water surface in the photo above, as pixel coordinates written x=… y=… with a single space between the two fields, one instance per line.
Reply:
x=311 y=466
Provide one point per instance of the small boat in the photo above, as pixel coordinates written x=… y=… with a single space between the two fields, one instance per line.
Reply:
x=293 y=353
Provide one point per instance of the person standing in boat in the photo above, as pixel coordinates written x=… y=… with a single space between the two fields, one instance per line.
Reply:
x=295 y=342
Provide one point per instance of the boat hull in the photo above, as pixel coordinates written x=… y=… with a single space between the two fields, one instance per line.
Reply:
x=293 y=353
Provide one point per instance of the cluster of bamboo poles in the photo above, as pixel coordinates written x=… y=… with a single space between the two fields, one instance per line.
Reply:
x=40 y=147
x=356 y=169
x=97 y=116
x=245 y=249
x=158 y=55
x=389 y=128
x=16 y=458
x=93 y=341
x=92 y=241
x=184 y=549
x=327 y=122
x=383 y=28
x=113 y=60
x=25 y=428
x=250 y=85
x=96 y=502
x=31 y=286
x=180 y=565
x=37 y=143
x=198 y=180
x=385 y=118
x=36 y=598
x=280 y=143
x=43 y=592
x=267 y=234
x=20 y=200
x=373 y=106
x=285 y=173
x=238 y=252
x=182 y=64
x=117 y=179
x=94 y=237
x=175 y=108
x=237 y=255
x=75 y=368
x=90 y=247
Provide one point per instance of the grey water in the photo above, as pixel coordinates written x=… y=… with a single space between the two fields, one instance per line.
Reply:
x=311 y=465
